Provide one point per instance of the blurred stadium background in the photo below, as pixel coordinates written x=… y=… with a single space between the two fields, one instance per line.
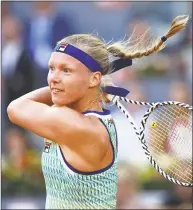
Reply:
x=30 y=30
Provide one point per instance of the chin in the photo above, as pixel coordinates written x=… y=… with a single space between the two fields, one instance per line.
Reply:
x=63 y=101
x=58 y=102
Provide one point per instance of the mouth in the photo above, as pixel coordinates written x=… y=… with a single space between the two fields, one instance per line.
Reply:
x=56 y=90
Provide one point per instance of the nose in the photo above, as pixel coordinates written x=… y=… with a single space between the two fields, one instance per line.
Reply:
x=55 y=76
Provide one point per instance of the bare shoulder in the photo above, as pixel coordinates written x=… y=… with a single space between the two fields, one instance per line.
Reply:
x=90 y=148
x=87 y=130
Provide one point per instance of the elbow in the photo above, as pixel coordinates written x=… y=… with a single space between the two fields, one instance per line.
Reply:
x=11 y=111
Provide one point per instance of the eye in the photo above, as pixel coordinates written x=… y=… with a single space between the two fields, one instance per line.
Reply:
x=51 y=69
x=66 y=70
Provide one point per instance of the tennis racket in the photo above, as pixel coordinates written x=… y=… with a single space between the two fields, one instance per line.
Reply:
x=166 y=137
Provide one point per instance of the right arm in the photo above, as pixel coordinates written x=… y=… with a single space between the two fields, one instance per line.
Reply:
x=59 y=124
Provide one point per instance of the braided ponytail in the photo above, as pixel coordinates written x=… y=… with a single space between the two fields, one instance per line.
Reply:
x=102 y=52
x=124 y=49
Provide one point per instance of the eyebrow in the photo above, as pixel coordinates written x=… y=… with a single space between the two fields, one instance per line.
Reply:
x=61 y=65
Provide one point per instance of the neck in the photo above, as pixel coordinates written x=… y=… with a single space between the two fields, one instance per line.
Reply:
x=87 y=103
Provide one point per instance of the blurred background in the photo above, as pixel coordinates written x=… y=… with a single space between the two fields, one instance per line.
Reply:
x=30 y=31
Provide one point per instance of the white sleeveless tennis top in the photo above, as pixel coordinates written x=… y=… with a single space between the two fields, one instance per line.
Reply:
x=68 y=188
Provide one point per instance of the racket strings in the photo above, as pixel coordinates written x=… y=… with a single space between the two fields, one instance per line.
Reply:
x=161 y=159
x=181 y=176
x=172 y=166
x=158 y=154
x=158 y=148
x=168 y=124
x=162 y=131
x=184 y=144
x=167 y=139
x=182 y=173
x=169 y=117
x=160 y=144
x=177 y=163
x=176 y=135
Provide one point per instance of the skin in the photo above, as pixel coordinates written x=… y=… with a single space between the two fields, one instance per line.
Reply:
x=57 y=115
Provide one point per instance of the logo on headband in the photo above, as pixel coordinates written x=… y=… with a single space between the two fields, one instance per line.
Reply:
x=62 y=47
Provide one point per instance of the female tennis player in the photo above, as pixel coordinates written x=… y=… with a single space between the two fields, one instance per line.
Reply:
x=79 y=161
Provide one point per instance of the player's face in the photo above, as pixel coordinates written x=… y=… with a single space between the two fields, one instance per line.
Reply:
x=68 y=79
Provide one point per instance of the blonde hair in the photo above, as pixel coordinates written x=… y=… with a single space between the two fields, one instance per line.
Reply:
x=101 y=51
x=92 y=45
x=123 y=49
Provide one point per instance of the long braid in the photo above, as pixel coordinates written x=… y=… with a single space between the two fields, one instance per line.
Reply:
x=123 y=49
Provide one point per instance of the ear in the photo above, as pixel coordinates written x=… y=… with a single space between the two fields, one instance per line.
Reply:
x=95 y=79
